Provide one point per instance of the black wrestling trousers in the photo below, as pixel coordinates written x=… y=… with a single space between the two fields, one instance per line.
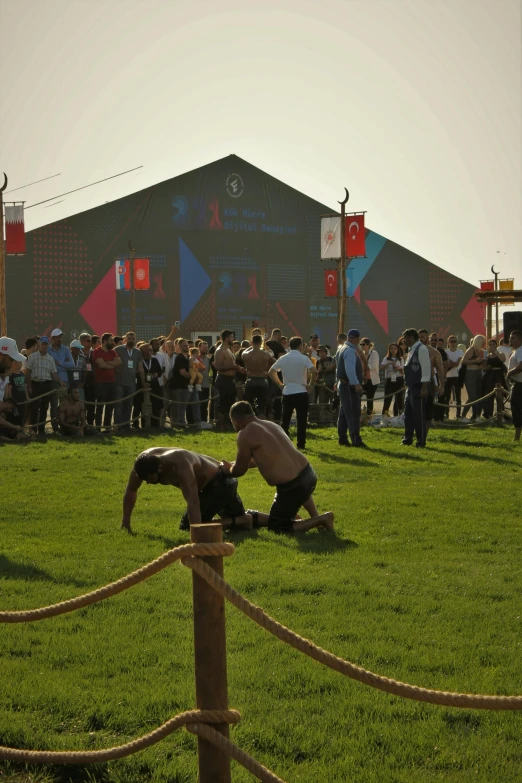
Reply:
x=299 y=403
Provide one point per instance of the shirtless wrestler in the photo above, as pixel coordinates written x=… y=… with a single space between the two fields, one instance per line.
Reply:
x=203 y=483
x=264 y=444
x=226 y=366
x=257 y=363
x=71 y=415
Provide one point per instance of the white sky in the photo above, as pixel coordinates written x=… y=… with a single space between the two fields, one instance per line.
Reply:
x=414 y=105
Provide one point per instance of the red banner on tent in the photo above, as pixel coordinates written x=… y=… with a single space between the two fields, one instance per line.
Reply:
x=355 y=236
x=330 y=282
x=141 y=274
x=14 y=229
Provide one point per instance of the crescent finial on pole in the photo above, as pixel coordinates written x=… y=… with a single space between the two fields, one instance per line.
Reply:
x=346 y=197
x=130 y=246
x=493 y=270
x=5 y=183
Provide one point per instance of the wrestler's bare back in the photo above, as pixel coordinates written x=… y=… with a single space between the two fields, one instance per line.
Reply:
x=274 y=453
x=176 y=463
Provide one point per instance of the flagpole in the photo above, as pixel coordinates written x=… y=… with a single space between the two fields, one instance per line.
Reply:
x=3 y=314
x=133 y=289
x=342 y=309
x=496 y=304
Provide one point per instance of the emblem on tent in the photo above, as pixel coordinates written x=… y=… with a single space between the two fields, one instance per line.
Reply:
x=234 y=185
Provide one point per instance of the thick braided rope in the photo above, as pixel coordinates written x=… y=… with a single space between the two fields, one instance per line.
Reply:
x=203 y=550
x=120 y=751
x=345 y=667
x=249 y=763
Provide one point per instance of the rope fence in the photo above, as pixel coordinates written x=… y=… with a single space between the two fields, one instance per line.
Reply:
x=204 y=557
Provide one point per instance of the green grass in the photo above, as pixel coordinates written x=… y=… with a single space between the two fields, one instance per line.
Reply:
x=422 y=582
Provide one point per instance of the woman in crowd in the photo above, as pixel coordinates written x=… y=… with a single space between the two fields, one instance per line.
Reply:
x=474 y=362
x=371 y=372
x=495 y=372
x=393 y=366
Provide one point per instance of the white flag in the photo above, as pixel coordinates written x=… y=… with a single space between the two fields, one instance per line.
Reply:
x=331 y=237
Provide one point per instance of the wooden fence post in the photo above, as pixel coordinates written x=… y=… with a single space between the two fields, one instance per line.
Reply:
x=210 y=655
x=500 y=403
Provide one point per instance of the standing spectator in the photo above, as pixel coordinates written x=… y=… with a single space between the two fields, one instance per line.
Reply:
x=417 y=375
x=63 y=360
x=204 y=394
x=495 y=371
x=160 y=357
x=438 y=378
x=169 y=357
x=453 y=384
x=95 y=342
x=180 y=384
x=349 y=387
x=31 y=346
x=117 y=341
x=325 y=367
x=126 y=374
x=274 y=345
x=77 y=375
x=105 y=360
x=474 y=361
x=299 y=375
x=88 y=386
x=504 y=348
x=284 y=343
x=42 y=378
x=371 y=373
x=257 y=363
x=227 y=368
x=439 y=411
x=515 y=376
x=149 y=377
x=314 y=347
x=393 y=366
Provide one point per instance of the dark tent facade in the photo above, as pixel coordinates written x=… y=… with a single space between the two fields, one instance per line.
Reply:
x=229 y=246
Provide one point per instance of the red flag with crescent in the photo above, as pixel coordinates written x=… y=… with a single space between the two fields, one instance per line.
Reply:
x=330 y=282
x=355 y=236
x=141 y=274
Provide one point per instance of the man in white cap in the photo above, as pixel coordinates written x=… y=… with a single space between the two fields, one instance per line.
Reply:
x=63 y=360
x=77 y=375
x=8 y=354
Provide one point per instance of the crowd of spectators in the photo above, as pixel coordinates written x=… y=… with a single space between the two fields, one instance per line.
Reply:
x=107 y=383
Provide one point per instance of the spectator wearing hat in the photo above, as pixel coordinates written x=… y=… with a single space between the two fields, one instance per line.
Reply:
x=63 y=360
x=42 y=378
x=76 y=376
x=350 y=388
x=8 y=353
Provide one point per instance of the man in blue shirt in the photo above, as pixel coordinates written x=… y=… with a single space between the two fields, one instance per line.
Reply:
x=417 y=377
x=349 y=387
x=64 y=361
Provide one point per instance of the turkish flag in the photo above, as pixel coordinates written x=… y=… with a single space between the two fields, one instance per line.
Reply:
x=330 y=282
x=487 y=285
x=355 y=236
x=141 y=274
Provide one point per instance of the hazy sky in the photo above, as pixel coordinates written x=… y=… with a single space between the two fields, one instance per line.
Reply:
x=414 y=105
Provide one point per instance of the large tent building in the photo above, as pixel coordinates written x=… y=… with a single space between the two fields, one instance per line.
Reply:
x=229 y=246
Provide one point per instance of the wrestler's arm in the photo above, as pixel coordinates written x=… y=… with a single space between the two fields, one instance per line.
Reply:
x=129 y=499
x=244 y=457
x=189 y=489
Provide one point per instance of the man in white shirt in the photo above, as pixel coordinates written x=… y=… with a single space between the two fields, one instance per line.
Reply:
x=299 y=375
x=505 y=349
x=455 y=355
x=417 y=377
x=515 y=376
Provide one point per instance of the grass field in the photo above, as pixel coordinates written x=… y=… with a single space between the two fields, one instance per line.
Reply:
x=421 y=582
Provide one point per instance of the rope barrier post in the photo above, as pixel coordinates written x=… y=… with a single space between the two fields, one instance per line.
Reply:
x=210 y=655
x=499 y=394
x=146 y=407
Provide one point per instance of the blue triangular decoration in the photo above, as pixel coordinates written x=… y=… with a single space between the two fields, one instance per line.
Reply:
x=193 y=280
x=359 y=267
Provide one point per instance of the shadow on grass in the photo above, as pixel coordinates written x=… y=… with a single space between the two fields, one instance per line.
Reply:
x=346 y=458
x=477 y=457
x=9 y=569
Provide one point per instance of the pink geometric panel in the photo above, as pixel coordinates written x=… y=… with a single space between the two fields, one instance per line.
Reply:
x=379 y=308
x=473 y=316
x=99 y=310
x=357 y=294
